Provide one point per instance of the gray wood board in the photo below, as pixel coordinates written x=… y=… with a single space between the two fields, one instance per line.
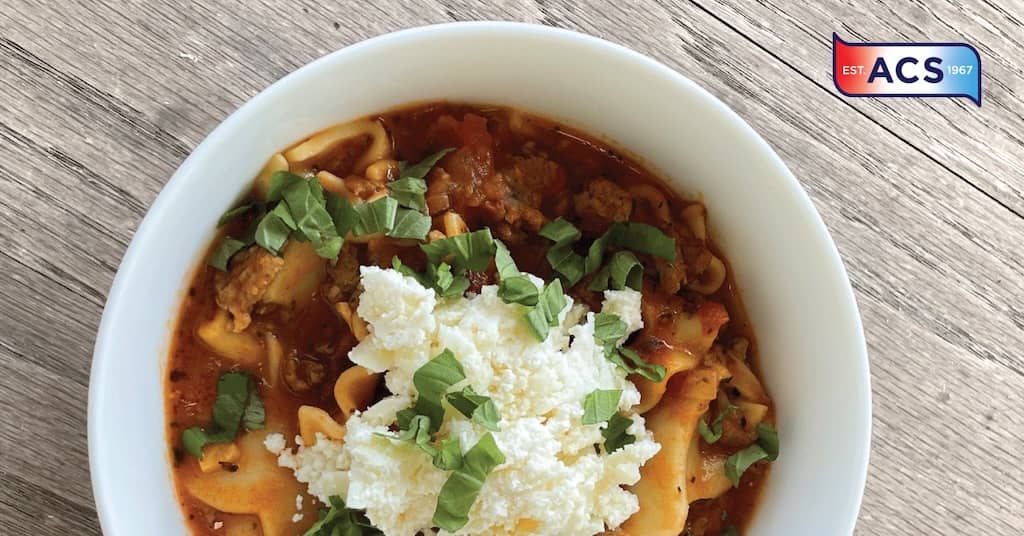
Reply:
x=101 y=101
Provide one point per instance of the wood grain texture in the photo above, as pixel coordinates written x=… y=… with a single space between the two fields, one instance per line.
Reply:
x=100 y=101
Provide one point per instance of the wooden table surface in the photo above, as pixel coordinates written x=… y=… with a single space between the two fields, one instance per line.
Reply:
x=101 y=100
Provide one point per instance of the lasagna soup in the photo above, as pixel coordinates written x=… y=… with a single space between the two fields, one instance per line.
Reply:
x=454 y=319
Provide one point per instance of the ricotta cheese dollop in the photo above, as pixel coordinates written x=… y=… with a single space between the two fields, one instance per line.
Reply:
x=553 y=482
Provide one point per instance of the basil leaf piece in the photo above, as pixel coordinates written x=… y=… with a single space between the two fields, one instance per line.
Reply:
x=713 y=433
x=544 y=315
x=439 y=278
x=342 y=212
x=432 y=380
x=642 y=238
x=404 y=418
x=467 y=251
x=459 y=492
x=435 y=377
x=237 y=404
x=306 y=203
x=560 y=231
x=553 y=300
x=410 y=224
x=566 y=263
x=419 y=433
x=503 y=261
x=615 y=436
x=600 y=405
x=449 y=455
x=420 y=169
x=730 y=530
x=225 y=251
x=738 y=463
x=410 y=187
x=233 y=391
x=768 y=439
x=234 y=213
x=279 y=182
x=563 y=260
x=447 y=285
x=595 y=254
x=478 y=408
x=376 y=216
x=538 y=322
x=255 y=413
x=622 y=271
x=409 y=192
x=609 y=329
x=273 y=230
x=338 y=520
x=518 y=289
x=632 y=363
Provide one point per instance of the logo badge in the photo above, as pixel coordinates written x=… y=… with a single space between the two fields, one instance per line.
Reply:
x=906 y=69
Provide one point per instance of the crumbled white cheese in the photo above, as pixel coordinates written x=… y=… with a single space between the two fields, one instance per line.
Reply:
x=297 y=516
x=553 y=481
x=275 y=443
x=626 y=304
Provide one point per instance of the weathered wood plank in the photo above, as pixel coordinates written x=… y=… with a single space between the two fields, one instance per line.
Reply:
x=981 y=145
x=100 y=102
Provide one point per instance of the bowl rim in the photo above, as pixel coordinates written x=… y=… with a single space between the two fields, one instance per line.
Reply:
x=102 y=353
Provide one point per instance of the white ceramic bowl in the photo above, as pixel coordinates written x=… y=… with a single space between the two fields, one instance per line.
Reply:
x=794 y=284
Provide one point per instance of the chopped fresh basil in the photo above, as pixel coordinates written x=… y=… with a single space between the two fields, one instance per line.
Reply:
x=449 y=455
x=503 y=261
x=237 y=405
x=615 y=436
x=730 y=530
x=225 y=251
x=739 y=462
x=466 y=251
x=768 y=438
x=713 y=433
x=406 y=270
x=563 y=260
x=439 y=278
x=338 y=520
x=377 y=216
x=518 y=289
x=544 y=316
x=418 y=433
x=459 y=492
x=279 y=182
x=632 y=363
x=432 y=381
x=766 y=448
x=304 y=200
x=622 y=271
x=234 y=213
x=404 y=418
x=273 y=230
x=600 y=405
x=301 y=211
x=609 y=329
x=566 y=263
x=641 y=238
x=560 y=231
x=408 y=191
x=420 y=169
x=410 y=224
x=409 y=188
x=342 y=212
x=478 y=408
